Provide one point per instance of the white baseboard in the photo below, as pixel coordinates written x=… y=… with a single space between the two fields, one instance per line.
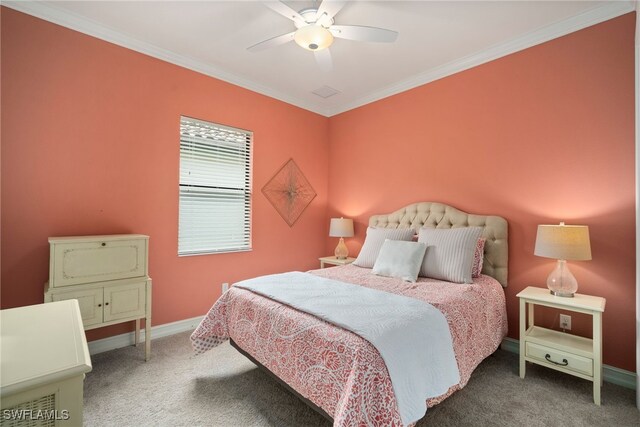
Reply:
x=611 y=374
x=124 y=340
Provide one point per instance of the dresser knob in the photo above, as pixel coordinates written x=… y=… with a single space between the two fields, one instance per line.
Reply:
x=106 y=303
x=99 y=305
x=103 y=244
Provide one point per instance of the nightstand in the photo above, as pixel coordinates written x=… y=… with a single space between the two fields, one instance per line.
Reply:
x=332 y=260
x=571 y=354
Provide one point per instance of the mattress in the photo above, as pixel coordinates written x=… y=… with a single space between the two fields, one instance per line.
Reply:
x=339 y=371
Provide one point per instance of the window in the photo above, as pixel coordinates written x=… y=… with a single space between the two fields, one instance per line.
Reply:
x=215 y=188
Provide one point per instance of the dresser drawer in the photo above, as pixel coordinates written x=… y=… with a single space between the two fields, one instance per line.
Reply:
x=96 y=259
x=568 y=361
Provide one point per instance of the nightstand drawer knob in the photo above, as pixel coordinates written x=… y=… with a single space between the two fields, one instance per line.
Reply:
x=548 y=358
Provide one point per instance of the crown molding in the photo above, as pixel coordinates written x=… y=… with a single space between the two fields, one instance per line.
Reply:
x=596 y=15
x=583 y=20
x=64 y=18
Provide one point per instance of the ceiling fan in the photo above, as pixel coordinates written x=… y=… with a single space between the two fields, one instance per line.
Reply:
x=316 y=30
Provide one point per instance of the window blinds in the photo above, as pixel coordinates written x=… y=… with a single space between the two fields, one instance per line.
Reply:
x=215 y=188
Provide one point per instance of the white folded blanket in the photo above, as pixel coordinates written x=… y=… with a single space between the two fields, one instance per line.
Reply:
x=412 y=336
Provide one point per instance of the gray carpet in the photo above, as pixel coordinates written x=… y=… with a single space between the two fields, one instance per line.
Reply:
x=223 y=388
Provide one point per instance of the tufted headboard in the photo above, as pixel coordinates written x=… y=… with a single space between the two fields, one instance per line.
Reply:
x=437 y=215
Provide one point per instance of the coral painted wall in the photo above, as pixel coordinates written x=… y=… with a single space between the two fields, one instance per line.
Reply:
x=90 y=145
x=539 y=136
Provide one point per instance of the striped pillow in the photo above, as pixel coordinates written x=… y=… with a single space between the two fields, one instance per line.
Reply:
x=375 y=239
x=450 y=253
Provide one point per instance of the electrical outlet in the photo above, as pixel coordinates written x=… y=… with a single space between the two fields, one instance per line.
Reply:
x=225 y=287
x=565 y=322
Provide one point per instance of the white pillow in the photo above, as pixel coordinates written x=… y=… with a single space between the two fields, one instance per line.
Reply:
x=450 y=253
x=400 y=259
x=374 y=240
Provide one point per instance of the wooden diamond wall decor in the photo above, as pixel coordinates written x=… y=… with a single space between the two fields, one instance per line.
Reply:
x=289 y=192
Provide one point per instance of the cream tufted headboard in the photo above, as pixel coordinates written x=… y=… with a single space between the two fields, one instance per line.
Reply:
x=437 y=215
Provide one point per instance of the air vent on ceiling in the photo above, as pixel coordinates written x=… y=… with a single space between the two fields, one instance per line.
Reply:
x=325 y=92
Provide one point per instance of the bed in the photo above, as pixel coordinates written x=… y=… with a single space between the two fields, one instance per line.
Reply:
x=339 y=373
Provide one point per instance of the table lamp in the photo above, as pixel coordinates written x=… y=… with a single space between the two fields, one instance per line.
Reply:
x=341 y=227
x=563 y=242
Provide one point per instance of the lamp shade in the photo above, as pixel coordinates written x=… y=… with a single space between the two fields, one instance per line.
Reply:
x=567 y=242
x=341 y=227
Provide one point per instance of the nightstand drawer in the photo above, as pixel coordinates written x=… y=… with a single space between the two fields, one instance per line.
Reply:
x=564 y=360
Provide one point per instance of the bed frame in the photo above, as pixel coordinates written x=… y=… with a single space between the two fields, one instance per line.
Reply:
x=434 y=215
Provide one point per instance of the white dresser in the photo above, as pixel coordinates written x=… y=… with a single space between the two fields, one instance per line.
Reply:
x=44 y=358
x=108 y=275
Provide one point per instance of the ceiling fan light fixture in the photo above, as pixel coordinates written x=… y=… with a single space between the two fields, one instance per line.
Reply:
x=313 y=37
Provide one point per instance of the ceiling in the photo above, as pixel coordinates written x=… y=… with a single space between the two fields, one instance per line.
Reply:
x=436 y=38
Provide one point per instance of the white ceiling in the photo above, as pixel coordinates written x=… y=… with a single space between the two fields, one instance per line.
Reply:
x=436 y=38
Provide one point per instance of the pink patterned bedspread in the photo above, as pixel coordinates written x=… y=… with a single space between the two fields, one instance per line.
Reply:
x=337 y=370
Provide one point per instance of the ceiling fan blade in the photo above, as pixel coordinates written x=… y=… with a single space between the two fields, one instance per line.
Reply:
x=323 y=58
x=285 y=11
x=275 y=41
x=330 y=7
x=363 y=34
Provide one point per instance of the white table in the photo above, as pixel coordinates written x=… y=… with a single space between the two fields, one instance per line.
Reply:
x=44 y=359
x=564 y=352
x=332 y=260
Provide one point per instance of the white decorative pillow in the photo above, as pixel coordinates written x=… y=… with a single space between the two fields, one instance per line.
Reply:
x=400 y=259
x=374 y=240
x=449 y=253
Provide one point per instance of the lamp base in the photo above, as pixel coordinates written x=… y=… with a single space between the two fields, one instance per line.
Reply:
x=562 y=294
x=561 y=282
x=341 y=252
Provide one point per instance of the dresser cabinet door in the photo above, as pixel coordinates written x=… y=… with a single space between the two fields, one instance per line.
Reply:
x=98 y=261
x=90 y=302
x=125 y=301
